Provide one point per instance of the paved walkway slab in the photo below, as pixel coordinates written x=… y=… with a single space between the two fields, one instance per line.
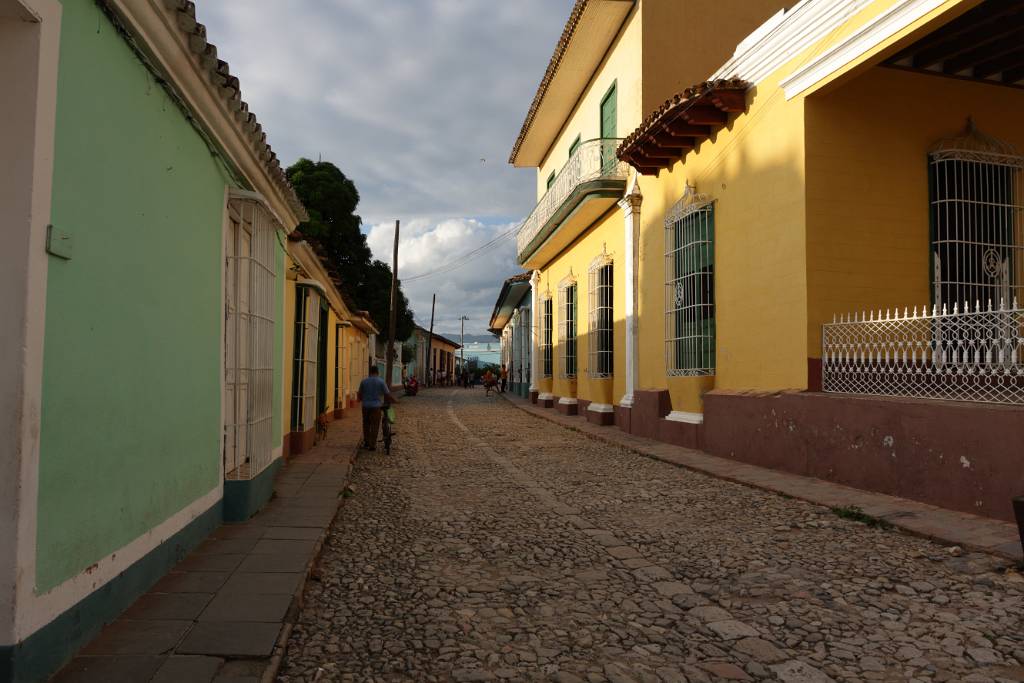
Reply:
x=224 y=612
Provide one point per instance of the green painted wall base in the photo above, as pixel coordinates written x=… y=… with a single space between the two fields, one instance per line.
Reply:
x=49 y=648
x=243 y=499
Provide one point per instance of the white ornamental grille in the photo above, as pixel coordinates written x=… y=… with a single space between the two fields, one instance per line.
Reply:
x=592 y=160
x=249 y=339
x=959 y=355
x=602 y=325
x=567 y=329
x=690 y=287
x=977 y=220
x=546 y=332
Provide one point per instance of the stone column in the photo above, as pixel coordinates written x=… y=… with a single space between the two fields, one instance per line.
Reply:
x=630 y=205
x=534 y=327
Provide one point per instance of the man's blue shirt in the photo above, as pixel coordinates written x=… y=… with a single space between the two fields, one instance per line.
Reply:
x=373 y=390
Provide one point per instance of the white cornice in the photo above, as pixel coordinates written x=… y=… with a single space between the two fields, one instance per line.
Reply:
x=156 y=27
x=901 y=15
x=786 y=35
x=688 y=418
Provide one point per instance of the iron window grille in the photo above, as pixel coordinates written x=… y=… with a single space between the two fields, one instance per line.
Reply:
x=602 y=321
x=977 y=222
x=690 y=287
x=249 y=338
x=546 y=324
x=567 y=328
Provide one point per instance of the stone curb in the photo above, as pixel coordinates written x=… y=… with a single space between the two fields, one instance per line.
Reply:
x=893 y=519
x=277 y=659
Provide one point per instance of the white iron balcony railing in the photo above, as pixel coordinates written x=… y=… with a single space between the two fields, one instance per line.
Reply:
x=592 y=160
x=959 y=355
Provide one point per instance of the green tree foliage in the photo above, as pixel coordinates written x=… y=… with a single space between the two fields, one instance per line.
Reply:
x=331 y=200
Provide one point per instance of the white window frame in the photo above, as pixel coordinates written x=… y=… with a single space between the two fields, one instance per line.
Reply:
x=547 y=356
x=307 y=320
x=568 y=321
x=690 y=287
x=601 y=343
x=249 y=295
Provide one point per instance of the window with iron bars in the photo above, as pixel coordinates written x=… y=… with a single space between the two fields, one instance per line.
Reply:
x=977 y=224
x=602 y=326
x=567 y=329
x=546 y=331
x=690 y=289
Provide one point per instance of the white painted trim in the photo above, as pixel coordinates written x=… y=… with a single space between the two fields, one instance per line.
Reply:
x=786 y=35
x=869 y=36
x=630 y=205
x=46 y=607
x=601 y=408
x=546 y=396
x=534 y=337
x=688 y=418
x=564 y=401
x=28 y=150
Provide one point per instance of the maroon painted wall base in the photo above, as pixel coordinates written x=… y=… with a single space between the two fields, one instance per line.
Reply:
x=960 y=456
x=623 y=418
x=547 y=403
x=533 y=396
x=567 y=408
x=603 y=419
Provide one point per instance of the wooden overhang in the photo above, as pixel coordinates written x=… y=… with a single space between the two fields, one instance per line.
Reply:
x=983 y=44
x=682 y=123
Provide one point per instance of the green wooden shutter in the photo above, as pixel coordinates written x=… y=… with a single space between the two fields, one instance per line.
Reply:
x=551 y=180
x=609 y=114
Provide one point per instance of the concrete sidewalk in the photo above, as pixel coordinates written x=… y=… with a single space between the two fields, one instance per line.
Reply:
x=225 y=612
x=938 y=524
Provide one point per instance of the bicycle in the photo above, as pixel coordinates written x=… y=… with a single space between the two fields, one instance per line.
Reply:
x=387 y=429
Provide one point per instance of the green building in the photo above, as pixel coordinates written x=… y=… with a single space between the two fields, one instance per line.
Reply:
x=143 y=217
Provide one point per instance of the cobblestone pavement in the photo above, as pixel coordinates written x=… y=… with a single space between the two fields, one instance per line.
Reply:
x=497 y=546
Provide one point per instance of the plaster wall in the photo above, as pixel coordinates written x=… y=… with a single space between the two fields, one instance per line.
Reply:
x=131 y=382
x=621 y=66
x=604 y=236
x=753 y=169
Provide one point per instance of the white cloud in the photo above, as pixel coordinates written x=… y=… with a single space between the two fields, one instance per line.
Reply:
x=419 y=103
x=470 y=289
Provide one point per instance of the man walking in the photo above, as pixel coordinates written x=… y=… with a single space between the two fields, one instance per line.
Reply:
x=373 y=392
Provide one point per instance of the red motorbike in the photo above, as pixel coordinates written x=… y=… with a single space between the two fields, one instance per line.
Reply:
x=412 y=386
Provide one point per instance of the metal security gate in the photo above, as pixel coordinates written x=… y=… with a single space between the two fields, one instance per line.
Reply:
x=248 y=338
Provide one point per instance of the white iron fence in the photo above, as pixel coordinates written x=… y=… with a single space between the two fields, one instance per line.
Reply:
x=592 y=160
x=959 y=355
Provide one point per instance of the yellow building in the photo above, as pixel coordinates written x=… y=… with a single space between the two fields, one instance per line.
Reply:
x=616 y=60
x=327 y=349
x=793 y=242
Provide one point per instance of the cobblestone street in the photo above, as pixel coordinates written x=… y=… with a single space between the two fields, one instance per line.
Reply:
x=493 y=545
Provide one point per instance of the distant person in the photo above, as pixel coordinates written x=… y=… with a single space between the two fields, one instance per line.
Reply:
x=373 y=394
x=504 y=378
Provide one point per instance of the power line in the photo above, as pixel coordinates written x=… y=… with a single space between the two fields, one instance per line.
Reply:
x=460 y=261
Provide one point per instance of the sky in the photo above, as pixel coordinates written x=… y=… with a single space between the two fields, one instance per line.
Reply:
x=419 y=103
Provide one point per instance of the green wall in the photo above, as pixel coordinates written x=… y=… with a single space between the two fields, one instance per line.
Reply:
x=132 y=358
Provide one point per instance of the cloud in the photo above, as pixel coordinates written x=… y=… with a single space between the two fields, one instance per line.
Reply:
x=419 y=103
x=469 y=289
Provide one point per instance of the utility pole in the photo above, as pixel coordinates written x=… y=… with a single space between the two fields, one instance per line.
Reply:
x=462 y=345
x=430 y=341
x=393 y=318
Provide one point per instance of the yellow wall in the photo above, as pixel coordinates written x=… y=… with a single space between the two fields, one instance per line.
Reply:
x=685 y=42
x=620 y=66
x=867 y=186
x=754 y=170
x=606 y=235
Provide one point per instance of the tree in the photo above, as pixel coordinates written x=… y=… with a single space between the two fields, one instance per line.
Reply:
x=331 y=200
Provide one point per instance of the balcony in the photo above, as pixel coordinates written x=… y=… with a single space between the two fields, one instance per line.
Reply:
x=588 y=185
